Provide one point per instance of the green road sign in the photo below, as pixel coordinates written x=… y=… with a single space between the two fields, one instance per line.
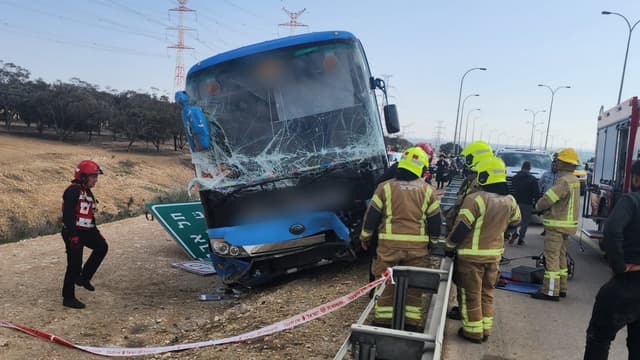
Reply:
x=186 y=224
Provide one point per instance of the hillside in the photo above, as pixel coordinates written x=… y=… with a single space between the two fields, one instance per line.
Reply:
x=35 y=172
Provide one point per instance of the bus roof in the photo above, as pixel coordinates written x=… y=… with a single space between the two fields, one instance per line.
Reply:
x=270 y=45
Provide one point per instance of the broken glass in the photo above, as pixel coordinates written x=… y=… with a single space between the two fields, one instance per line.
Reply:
x=289 y=111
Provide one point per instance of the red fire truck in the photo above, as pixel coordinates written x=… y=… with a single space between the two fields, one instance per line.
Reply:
x=617 y=146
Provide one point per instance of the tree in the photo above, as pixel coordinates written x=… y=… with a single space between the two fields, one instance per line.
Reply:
x=12 y=90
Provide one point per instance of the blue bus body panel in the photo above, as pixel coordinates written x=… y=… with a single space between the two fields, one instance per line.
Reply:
x=277 y=230
x=270 y=45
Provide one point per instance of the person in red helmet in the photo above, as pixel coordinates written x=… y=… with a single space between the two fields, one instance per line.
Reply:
x=79 y=230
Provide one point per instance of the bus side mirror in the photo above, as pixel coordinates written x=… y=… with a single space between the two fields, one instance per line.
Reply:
x=391 y=119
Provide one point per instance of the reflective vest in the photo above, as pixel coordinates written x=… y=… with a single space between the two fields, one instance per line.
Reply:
x=85 y=209
x=562 y=202
x=487 y=215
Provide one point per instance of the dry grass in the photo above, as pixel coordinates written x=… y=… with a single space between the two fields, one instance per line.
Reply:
x=34 y=173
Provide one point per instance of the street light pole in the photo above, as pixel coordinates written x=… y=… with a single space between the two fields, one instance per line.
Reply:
x=533 y=123
x=553 y=93
x=455 y=132
x=462 y=112
x=626 y=54
x=466 y=128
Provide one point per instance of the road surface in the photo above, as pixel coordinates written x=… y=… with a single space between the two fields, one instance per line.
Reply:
x=525 y=328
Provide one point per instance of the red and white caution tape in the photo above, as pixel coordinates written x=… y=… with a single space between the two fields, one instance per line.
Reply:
x=289 y=323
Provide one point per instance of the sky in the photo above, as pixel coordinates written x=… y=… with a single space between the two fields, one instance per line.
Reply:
x=425 y=46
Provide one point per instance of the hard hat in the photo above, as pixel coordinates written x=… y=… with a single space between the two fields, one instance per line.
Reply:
x=475 y=152
x=491 y=171
x=86 y=168
x=414 y=160
x=427 y=148
x=569 y=155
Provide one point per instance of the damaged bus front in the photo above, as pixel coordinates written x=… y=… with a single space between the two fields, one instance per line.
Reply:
x=287 y=144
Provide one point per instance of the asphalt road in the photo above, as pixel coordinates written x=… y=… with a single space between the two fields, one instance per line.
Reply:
x=525 y=328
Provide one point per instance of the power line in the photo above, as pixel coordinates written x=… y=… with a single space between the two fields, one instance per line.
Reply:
x=89 y=45
x=83 y=22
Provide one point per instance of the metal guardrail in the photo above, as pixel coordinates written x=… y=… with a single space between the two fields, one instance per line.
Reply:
x=371 y=342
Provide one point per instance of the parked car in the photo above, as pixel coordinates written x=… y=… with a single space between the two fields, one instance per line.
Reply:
x=513 y=159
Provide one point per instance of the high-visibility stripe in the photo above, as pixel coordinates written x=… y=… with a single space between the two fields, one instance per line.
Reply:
x=383 y=312
x=403 y=237
x=377 y=201
x=433 y=207
x=468 y=326
x=552 y=195
x=463 y=306
x=487 y=323
x=560 y=223
x=412 y=316
x=475 y=243
x=423 y=212
x=467 y=213
x=449 y=244
x=552 y=276
x=481 y=252
x=365 y=234
x=570 y=214
x=387 y=195
x=411 y=308
x=564 y=272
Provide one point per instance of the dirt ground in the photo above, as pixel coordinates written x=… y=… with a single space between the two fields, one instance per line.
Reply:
x=140 y=300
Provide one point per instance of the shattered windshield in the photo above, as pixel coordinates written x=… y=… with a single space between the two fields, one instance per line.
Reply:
x=284 y=112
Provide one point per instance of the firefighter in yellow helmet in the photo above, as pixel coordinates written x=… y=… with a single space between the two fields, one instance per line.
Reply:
x=478 y=237
x=406 y=212
x=472 y=154
x=560 y=205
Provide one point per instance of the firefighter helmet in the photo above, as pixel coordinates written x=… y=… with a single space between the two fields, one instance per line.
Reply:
x=86 y=168
x=414 y=159
x=569 y=155
x=475 y=152
x=491 y=171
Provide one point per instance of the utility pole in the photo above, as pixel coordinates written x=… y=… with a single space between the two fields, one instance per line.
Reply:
x=180 y=46
x=439 y=130
x=293 y=23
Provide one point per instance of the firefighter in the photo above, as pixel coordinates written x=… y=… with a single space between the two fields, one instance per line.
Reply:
x=79 y=230
x=478 y=237
x=560 y=205
x=391 y=171
x=406 y=213
x=472 y=154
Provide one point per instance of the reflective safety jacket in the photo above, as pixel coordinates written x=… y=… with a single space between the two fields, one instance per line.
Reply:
x=467 y=187
x=405 y=214
x=561 y=204
x=486 y=216
x=78 y=208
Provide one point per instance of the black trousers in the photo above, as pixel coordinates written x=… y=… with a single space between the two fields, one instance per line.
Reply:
x=75 y=271
x=617 y=305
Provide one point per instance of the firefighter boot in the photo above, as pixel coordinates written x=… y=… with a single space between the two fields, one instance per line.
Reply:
x=542 y=296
